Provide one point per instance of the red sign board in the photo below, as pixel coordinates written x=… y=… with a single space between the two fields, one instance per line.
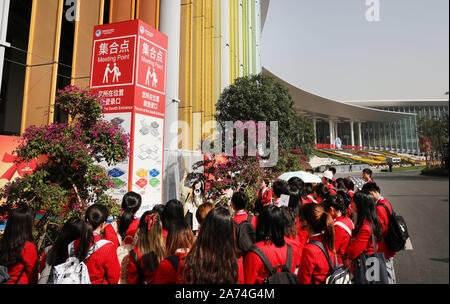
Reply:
x=128 y=70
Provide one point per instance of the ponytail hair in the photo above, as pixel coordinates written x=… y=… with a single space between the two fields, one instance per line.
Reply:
x=131 y=202
x=95 y=215
x=150 y=240
x=318 y=220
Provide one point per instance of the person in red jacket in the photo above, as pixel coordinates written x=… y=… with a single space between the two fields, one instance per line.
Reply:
x=179 y=242
x=327 y=180
x=367 y=175
x=17 y=249
x=291 y=233
x=239 y=201
x=125 y=227
x=380 y=202
x=350 y=187
x=279 y=188
x=319 y=224
x=148 y=252
x=366 y=221
x=213 y=257
x=320 y=192
x=270 y=239
x=103 y=265
x=265 y=194
x=335 y=205
x=309 y=192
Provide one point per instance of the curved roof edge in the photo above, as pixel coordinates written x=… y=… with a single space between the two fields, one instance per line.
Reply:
x=399 y=102
x=314 y=106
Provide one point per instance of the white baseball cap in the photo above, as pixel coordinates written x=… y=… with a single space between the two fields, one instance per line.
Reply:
x=327 y=174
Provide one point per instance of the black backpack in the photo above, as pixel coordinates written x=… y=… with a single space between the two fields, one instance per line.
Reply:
x=338 y=274
x=285 y=276
x=245 y=234
x=397 y=232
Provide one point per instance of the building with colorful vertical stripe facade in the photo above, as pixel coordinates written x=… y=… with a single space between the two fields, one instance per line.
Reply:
x=46 y=45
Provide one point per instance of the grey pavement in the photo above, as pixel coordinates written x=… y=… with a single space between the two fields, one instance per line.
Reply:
x=423 y=201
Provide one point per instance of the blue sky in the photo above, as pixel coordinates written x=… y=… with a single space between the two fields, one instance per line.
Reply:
x=327 y=47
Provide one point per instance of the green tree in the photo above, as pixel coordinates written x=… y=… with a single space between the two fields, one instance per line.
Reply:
x=70 y=179
x=435 y=128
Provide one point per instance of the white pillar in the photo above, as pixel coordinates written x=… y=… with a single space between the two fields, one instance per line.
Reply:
x=4 y=11
x=360 y=134
x=170 y=26
x=331 y=132
x=352 y=134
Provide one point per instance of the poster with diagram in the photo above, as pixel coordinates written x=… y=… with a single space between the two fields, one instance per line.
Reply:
x=148 y=159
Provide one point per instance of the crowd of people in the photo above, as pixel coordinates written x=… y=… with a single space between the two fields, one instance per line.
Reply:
x=197 y=242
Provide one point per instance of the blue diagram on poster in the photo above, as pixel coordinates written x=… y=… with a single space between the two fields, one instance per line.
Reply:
x=115 y=172
x=154 y=173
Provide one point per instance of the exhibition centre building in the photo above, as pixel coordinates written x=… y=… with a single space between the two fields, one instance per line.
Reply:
x=386 y=125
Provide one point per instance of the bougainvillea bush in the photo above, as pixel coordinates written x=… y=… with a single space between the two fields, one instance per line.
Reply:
x=70 y=178
x=242 y=168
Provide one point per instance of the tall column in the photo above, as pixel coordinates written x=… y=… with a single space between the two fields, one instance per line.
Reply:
x=170 y=25
x=352 y=134
x=360 y=134
x=4 y=11
x=332 y=132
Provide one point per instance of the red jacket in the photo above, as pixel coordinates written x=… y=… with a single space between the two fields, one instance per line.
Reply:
x=30 y=262
x=166 y=273
x=240 y=217
x=132 y=274
x=302 y=237
x=384 y=219
x=342 y=237
x=266 y=197
x=256 y=271
x=110 y=234
x=310 y=199
x=361 y=243
x=314 y=266
x=103 y=263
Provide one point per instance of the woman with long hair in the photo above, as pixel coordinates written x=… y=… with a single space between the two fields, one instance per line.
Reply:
x=17 y=249
x=291 y=232
x=213 y=256
x=57 y=254
x=366 y=221
x=124 y=229
x=270 y=240
x=178 y=244
x=149 y=250
x=103 y=265
x=172 y=212
x=319 y=224
x=336 y=206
